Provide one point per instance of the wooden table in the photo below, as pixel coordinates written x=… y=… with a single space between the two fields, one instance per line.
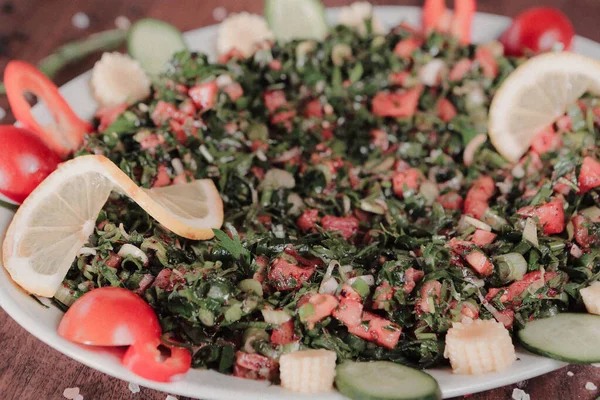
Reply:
x=30 y=29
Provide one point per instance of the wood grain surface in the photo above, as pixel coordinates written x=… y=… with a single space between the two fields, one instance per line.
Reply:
x=30 y=29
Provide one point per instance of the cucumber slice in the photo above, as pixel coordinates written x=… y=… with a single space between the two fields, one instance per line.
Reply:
x=383 y=380
x=296 y=19
x=153 y=42
x=573 y=338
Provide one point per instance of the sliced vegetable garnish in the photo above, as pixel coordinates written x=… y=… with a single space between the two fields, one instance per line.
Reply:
x=151 y=359
x=66 y=134
x=566 y=337
x=296 y=19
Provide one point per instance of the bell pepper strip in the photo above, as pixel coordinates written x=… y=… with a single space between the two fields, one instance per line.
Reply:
x=67 y=132
x=437 y=18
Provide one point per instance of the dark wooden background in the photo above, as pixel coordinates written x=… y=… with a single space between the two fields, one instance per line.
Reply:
x=30 y=29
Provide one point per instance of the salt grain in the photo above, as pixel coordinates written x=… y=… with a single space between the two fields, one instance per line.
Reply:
x=519 y=394
x=71 y=393
x=80 y=20
x=219 y=13
x=134 y=387
x=122 y=22
x=569 y=373
x=590 y=386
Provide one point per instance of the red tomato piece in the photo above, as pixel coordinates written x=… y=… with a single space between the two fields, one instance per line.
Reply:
x=551 y=216
x=466 y=309
x=349 y=312
x=323 y=306
x=379 y=330
x=398 y=78
x=482 y=238
x=433 y=290
x=479 y=262
x=545 y=141
x=434 y=13
x=581 y=231
x=446 y=110
x=508 y=318
x=382 y=296
x=203 y=95
x=397 y=105
x=288 y=276
x=460 y=26
x=25 y=161
x=487 y=62
x=162 y=178
x=460 y=69
x=313 y=109
x=478 y=195
x=345 y=226
x=67 y=133
x=406 y=180
x=451 y=201
x=274 y=100
x=109 y=316
x=538 y=29
x=308 y=220
x=283 y=116
x=589 y=175
x=234 y=91
x=113 y=260
x=379 y=138
x=564 y=124
x=188 y=108
x=254 y=366
x=145 y=358
x=163 y=112
x=411 y=278
x=405 y=47
x=284 y=333
x=108 y=115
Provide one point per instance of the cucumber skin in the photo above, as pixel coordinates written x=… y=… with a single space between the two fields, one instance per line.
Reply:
x=553 y=356
x=269 y=14
x=355 y=394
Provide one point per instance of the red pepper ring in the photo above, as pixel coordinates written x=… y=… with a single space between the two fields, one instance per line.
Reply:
x=67 y=132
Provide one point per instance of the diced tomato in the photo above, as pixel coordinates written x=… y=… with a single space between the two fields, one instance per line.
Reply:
x=434 y=14
x=379 y=330
x=163 y=112
x=451 y=201
x=382 y=296
x=350 y=307
x=562 y=187
x=460 y=26
x=283 y=116
x=551 y=216
x=288 y=276
x=258 y=172
x=108 y=115
x=234 y=91
x=109 y=316
x=398 y=78
x=188 y=108
x=144 y=358
x=508 y=318
x=323 y=306
x=113 y=260
x=460 y=69
x=204 y=95
x=262 y=263
x=405 y=47
x=479 y=262
x=431 y=289
x=379 y=138
x=167 y=280
x=274 y=100
x=493 y=292
x=409 y=179
x=233 y=54
x=162 y=177
x=564 y=124
x=308 y=220
x=313 y=109
x=397 y=105
x=345 y=226
x=284 y=333
x=545 y=141
x=327 y=134
x=589 y=176
x=411 y=278
x=480 y=192
x=581 y=231
x=151 y=142
x=275 y=65
x=254 y=366
x=179 y=130
x=482 y=238
x=466 y=309
x=348 y=292
x=487 y=62
x=446 y=111
x=517 y=288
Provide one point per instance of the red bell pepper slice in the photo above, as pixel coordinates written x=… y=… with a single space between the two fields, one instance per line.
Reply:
x=67 y=132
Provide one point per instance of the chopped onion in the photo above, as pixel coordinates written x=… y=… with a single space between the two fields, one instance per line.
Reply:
x=275 y=317
x=297 y=203
x=344 y=271
x=368 y=279
x=429 y=190
x=518 y=171
x=511 y=267
x=340 y=53
x=88 y=251
x=251 y=286
x=592 y=213
x=530 y=232
x=223 y=80
x=430 y=72
x=64 y=295
x=328 y=286
x=204 y=151
x=493 y=219
x=130 y=250
x=276 y=178
x=471 y=148
x=576 y=251
x=477 y=223
x=123 y=231
x=177 y=166
x=287 y=155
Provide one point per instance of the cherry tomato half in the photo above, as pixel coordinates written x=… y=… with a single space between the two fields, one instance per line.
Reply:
x=25 y=161
x=153 y=360
x=109 y=316
x=538 y=29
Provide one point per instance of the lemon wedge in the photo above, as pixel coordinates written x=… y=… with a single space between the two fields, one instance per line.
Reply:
x=59 y=216
x=535 y=95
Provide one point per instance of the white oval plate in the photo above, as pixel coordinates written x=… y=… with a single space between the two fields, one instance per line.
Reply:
x=43 y=323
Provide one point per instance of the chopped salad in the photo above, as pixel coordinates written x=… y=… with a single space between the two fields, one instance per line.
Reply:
x=365 y=210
